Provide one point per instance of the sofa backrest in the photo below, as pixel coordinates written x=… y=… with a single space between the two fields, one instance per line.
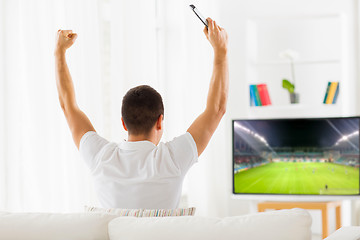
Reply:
x=278 y=225
x=46 y=226
x=292 y=224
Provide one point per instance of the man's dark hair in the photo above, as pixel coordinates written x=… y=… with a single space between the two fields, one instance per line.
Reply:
x=141 y=108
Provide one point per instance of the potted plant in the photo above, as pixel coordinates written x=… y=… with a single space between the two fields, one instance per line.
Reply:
x=291 y=55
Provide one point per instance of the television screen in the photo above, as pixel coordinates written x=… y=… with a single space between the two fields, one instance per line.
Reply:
x=296 y=156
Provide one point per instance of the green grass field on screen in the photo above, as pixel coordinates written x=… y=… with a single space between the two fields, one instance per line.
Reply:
x=299 y=178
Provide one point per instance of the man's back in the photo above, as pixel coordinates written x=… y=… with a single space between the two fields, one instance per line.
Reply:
x=138 y=174
x=143 y=173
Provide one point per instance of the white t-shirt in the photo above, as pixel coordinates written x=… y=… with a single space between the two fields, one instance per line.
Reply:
x=138 y=174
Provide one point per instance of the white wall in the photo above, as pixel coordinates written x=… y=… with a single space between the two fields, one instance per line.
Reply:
x=233 y=17
x=2 y=111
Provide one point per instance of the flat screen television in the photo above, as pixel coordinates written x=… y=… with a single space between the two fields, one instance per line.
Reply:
x=311 y=157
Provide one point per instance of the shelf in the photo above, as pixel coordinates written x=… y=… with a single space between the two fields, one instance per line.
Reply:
x=320 y=61
x=295 y=111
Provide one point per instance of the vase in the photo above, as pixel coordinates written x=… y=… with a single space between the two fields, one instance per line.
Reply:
x=294 y=98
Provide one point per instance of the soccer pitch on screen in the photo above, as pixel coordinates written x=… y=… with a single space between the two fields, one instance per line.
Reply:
x=303 y=178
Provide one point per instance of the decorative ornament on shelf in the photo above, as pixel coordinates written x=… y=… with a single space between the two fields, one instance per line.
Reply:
x=291 y=55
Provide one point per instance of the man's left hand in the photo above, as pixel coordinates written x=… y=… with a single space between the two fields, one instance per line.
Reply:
x=64 y=40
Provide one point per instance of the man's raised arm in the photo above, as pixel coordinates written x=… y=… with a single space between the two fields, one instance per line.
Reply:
x=78 y=122
x=205 y=125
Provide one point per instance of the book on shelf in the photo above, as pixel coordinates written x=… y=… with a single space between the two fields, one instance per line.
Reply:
x=327 y=91
x=252 y=95
x=332 y=93
x=264 y=94
x=336 y=94
x=259 y=95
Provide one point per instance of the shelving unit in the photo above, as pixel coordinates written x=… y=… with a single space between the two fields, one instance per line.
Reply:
x=323 y=57
x=326 y=36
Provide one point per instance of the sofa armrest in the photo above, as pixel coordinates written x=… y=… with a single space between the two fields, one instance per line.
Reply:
x=348 y=233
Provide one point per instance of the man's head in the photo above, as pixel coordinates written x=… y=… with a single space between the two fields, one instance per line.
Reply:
x=142 y=110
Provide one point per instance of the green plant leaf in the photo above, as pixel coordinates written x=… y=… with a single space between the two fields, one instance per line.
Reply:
x=288 y=85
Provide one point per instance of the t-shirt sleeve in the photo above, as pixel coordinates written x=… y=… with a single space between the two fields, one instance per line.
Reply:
x=183 y=151
x=91 y=145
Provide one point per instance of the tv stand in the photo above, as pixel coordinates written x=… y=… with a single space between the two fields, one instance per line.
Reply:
x=323 y=206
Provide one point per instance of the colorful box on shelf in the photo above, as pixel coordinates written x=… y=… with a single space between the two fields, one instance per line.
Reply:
x=259 y=95
x=332 y=93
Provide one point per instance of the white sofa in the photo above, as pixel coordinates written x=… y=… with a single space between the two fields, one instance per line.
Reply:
x=345 y=233
x=278 y=225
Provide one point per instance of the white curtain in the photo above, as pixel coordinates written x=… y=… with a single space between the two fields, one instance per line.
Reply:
x=187 y=66
x=121 y=44
x=40 y=167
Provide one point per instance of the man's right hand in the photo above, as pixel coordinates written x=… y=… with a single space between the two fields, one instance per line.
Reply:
x=205 y=125
x=217 y=37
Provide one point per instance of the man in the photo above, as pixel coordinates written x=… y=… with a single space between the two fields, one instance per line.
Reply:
x=141 y=173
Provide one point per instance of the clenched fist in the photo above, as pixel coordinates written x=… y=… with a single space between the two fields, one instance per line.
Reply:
x=64 y=40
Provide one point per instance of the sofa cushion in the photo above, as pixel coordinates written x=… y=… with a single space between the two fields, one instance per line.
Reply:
x=275 y=225
x=45 y=226
x=143 y=212
x=345 y=233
